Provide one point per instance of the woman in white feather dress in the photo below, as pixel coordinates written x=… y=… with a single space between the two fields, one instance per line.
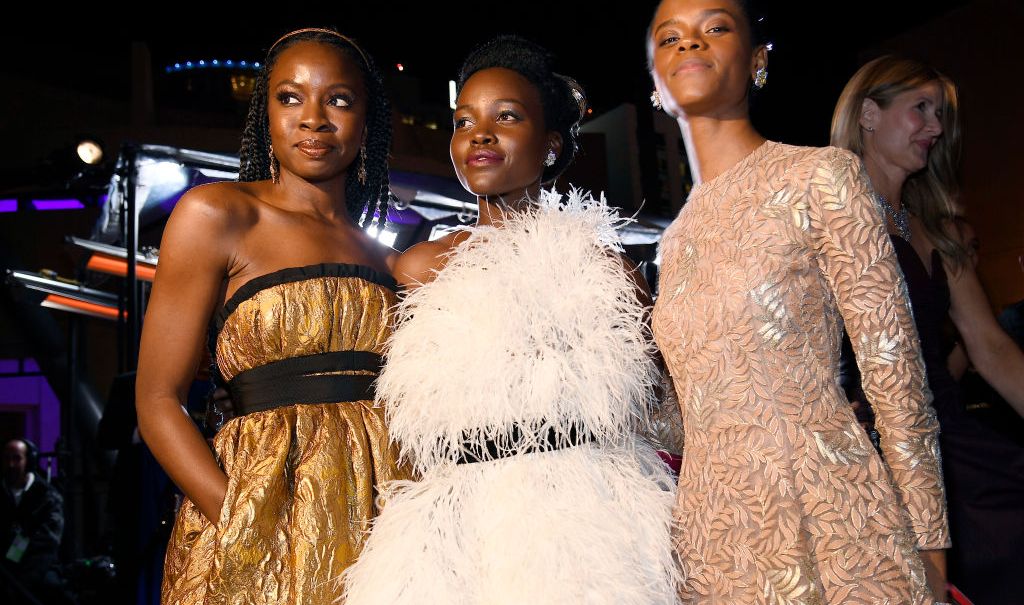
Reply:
x=517 y=379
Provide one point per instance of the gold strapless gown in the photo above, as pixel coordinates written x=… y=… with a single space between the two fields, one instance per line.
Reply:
x=302 y=477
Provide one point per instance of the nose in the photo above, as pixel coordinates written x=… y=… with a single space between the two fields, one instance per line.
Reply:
x=935 y=126
x=314 y=118
x=483 y=136
x=689 y=41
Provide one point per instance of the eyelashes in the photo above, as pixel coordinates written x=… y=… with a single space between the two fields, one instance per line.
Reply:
x=287 y=98
x=506 y=115
x=290 y=98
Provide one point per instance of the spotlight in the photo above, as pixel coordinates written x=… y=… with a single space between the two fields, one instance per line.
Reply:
x=90 y=152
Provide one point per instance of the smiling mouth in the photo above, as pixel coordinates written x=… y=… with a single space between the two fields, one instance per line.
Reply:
x=485 y=159
x=689 y=66
x=314 y=149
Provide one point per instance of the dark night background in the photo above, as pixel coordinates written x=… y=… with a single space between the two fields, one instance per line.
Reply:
x=817 y=46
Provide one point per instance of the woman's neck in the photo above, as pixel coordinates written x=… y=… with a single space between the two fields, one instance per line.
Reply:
x=492 y=209
x=714 y=145
x=886 y=179
x=324 y=200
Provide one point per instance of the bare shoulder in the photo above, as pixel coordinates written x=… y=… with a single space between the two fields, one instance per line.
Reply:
x=210 y=221
x=418 y=265
x=223 y=204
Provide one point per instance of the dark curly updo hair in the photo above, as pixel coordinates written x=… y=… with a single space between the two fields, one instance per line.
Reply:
x=563 y=98
x=363 y=201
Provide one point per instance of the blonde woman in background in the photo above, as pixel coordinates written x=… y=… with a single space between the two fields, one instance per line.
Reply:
x=901 y=117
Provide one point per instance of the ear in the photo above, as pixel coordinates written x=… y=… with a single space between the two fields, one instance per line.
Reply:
x=555 y=143
x=869 y=111
x=760 y=60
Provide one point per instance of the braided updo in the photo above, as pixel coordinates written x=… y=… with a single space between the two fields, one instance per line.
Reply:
x=562 y=98
x=363 y=201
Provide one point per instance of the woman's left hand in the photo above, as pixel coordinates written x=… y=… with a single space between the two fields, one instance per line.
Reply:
x=935 y=568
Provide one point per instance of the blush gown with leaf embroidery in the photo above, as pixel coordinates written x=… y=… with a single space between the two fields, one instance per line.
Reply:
x=782 y=498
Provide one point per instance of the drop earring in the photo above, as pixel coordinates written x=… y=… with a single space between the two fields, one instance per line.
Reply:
x=361 y=173
x=761 y=77
x=551 y=158
x=275 y=167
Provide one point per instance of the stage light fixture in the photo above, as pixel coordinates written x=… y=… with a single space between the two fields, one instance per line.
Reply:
x=90 y=152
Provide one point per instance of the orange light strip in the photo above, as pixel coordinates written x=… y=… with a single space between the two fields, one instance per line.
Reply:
x=64 y=303
x=112 y=265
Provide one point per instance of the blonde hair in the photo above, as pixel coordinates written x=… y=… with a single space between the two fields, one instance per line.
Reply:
x=931 y=193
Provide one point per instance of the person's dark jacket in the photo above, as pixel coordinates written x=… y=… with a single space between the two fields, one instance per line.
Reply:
x=40 y=516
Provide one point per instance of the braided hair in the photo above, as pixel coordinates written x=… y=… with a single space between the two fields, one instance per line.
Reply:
x=562 y=98
x=363 y=201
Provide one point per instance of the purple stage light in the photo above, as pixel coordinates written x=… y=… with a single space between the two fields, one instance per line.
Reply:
x=69 y=204
x=32 y=399
x=8 y=205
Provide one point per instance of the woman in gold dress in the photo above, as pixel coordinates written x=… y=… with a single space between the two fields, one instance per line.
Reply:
x=782 y=498
x=299 y=298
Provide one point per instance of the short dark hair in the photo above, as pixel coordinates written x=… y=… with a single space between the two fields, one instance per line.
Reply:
x=562 y=98
x=362 y=200
x=756 y=21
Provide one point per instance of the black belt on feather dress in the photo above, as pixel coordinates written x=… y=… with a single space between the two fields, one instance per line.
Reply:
x=541 y=441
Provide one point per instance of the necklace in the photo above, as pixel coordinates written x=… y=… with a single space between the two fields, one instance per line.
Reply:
x=901 y=219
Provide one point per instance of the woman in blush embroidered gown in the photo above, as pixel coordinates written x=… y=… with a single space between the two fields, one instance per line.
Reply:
x=518 y=373
x=300 y=299
x=782 y=498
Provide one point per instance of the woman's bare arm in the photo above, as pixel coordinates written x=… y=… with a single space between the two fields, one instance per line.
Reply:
x=194 y=259
x=993 y=353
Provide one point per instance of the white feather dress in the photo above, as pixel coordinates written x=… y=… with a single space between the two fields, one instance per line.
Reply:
x=534 y=325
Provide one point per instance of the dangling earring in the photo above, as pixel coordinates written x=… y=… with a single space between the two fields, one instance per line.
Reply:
x=275 y=167
x=550 y=158
x=361 y=173
x=656 y=99
x=761 y=77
